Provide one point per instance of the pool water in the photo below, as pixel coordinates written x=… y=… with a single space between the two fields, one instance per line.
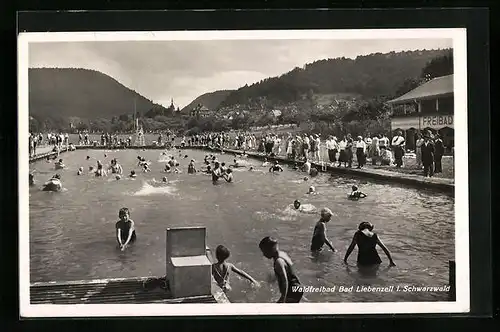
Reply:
x=72 y=233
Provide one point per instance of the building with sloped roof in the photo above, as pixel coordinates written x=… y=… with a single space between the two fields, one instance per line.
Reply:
x=429 y=106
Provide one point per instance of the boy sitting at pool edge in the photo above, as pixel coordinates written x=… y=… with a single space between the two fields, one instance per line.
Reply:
x=221 y=270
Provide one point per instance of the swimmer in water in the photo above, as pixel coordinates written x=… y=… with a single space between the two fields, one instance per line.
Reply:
x=32 y=179
x=54 y=184
x=145 y=168
x=88 y=157
x=356 y=194
x=132 y=174
x=228 y=175
x=251 y=168
x=288 y=281
x=91 y=169
x=319 y=238
x=265 y=163
x=313 y=172
x=276 y=167
x=221 y=270
x=80 y=171
x=191 y=167
x=306 y=208
x=115 y=167
x=125 y=229
x=295 y=167
x=306 y=167
x=59 y=164
x=167 y=169
x=311 y=191
x=223 y=167
x=209 y=170
x=306 y=178
x=118 y=177
x=216 y=173
x=185 y=156
x=367 y=241
x=164 y=179
x=100 y=170
x=47 y=160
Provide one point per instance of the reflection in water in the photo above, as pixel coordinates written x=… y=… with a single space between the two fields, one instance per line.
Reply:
x=73 y=233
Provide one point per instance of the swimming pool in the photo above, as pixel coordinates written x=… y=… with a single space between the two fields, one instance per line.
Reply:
x=72 y=234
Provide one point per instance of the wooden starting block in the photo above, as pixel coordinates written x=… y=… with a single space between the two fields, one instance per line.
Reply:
x=188 y=267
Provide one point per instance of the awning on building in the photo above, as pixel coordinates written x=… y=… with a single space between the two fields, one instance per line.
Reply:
x=437 y=87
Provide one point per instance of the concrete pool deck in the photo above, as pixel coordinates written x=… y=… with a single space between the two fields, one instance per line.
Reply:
x=117 y=290
x=419 y=181
x=113 y=291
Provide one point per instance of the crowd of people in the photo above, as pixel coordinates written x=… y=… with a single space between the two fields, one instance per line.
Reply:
x=378 y=149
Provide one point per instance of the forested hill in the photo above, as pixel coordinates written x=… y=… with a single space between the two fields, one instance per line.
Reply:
x=62 y=93
x=371 y=75
x=210 y=100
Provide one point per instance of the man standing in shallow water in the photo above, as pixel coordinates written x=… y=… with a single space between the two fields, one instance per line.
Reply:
x=289 y=284
x=319 y=238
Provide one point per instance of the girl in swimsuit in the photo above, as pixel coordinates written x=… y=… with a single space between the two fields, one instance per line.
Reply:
x=367 y=240
x=125 y=229
x=290 y=287
x=221 y=270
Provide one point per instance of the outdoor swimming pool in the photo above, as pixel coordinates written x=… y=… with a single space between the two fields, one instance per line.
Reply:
x=72 y=233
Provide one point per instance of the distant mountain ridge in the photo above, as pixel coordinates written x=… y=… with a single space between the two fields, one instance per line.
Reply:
x=210 y=100
x=82 y=93
x=369 y=75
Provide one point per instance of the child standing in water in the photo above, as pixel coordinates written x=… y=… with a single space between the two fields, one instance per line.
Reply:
x=221 y=270
x=289 y=284
x=125 y=229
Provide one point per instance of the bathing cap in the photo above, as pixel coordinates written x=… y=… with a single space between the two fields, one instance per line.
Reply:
x=326 y=212
x=311 y=188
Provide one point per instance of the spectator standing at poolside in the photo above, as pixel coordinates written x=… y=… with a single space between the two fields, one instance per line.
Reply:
x=398 y=144
x=438 y=154
x=317 y=151
x=348 y=149
x=360 y=151
x=374 y=151
x=342 y=152
x=288 y=144
x=331 y=146
x=418 y=149
x=428 y=155
x=383 y=142
x=306 y=146
x=368 y=142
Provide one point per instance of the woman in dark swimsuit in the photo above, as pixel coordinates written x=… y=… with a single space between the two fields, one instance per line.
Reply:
x=290 y=287
x=367 y=242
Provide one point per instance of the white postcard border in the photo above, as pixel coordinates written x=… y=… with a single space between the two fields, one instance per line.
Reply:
x=462 y=303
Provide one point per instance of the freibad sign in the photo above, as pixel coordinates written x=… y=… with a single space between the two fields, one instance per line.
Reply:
x=422 y=122
x=436 y=121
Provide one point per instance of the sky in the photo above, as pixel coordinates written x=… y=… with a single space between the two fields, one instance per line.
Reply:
x=184 y=70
